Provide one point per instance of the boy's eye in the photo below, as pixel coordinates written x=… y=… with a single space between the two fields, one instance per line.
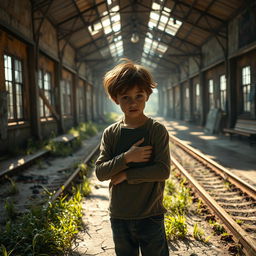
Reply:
x=125 y=97
x=139 y=96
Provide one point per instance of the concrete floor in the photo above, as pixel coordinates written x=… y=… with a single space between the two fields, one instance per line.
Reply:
x=236 y=154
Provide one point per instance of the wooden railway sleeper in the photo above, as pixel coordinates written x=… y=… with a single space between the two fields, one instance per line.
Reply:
x=239 y=234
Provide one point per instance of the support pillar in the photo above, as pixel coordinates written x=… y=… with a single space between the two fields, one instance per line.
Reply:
x=34 y=92
x=202 y=98
x=191 y=100
x=231 y=91
x=75 y=103
x=181 y=102
x=59 y=96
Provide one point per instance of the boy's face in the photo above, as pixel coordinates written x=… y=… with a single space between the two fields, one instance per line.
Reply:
x=132 y=102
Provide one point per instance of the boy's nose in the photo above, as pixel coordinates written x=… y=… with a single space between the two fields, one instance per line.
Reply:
x=132 y=101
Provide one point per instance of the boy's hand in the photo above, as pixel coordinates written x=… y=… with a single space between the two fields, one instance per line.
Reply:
x=138 y=154
x=119 y=178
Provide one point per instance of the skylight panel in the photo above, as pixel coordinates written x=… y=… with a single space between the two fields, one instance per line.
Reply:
x=105 y=21
x=159 y=17
x=161 y=26
x=161 y=20
x=175 y=23
x=110 y=23
x=149 y=35
x=95 y=28
x=152 y=23
x=162 y=48
x=115 y=9
x=107 y=30
x=164 y=19
x=156 y=6
x=116 y=27
x=119 y=44
x=167 y=9
x=115 y=18
x=112 y=46
x=118 y=38
x=154 y=44
x=148 y=40
x=154 y=16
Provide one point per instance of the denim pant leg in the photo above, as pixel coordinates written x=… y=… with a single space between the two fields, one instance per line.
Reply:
x=152 y=238
x=124 y=237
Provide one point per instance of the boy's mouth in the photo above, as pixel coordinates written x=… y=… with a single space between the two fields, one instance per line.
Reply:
x=133 y=110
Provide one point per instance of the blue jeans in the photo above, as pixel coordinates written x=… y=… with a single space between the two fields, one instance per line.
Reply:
x=147 y=234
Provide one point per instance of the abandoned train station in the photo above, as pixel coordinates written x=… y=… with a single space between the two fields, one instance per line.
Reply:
x=54 y=56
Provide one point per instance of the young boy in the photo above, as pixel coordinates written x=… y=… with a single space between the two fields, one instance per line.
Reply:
x=135 y=157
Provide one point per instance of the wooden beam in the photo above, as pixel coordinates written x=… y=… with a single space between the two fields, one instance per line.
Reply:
x=48 y=104
x=80 y=13
x=199 y=11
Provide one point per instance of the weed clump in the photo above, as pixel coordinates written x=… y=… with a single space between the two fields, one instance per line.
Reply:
x=45 y=230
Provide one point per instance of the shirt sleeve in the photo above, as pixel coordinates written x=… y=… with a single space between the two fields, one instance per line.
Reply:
x=107 y=166
x=160 y=169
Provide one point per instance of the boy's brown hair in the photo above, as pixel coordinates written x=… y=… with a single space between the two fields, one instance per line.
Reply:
x=125 y=76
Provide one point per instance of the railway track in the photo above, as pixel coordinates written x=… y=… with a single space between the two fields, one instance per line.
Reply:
x=230 y=198
x=44 y=174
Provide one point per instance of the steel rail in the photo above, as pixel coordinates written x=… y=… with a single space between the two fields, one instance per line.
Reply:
x=222 y=171
x=242 y=236
x=73 y=175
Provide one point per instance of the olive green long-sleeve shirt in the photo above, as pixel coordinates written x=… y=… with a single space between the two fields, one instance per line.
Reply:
x=141 y=195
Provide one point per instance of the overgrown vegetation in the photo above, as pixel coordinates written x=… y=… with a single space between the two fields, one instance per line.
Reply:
x=177 y=200
x=111 y=117
x=84 y=130
x=81 y=132
x=217 y=227
x=176 y=226
x=12 y=189
x=44 y=230
x=63 y=149
x=199 y=234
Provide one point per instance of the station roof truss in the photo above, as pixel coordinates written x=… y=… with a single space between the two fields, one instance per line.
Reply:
x=159 y=34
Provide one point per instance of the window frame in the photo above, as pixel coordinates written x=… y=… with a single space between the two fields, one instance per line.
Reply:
x=15 y=118
x=223 y=93
x=211 y=94
x=45 y=113
x=67 y=98
x=197 y=98
x=246 y=104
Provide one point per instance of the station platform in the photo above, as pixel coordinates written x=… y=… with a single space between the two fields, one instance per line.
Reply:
x=236 y=155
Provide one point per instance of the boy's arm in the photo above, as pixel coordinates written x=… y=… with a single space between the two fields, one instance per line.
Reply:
x=106 y=166
x=160 y=169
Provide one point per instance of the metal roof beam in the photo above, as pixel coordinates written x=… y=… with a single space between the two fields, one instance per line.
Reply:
x=205 y=13
x=184 y=20
x=80 y=13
